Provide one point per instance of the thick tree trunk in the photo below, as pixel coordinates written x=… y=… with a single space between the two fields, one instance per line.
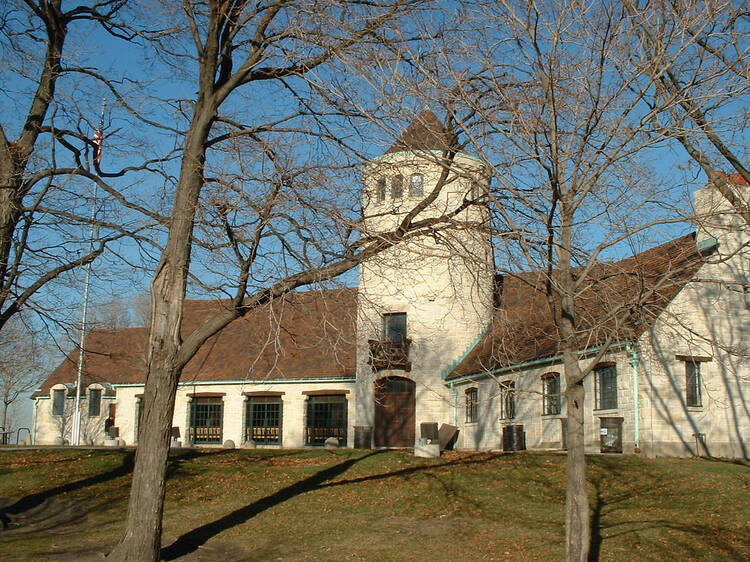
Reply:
x=142 y=539
x=577 y=524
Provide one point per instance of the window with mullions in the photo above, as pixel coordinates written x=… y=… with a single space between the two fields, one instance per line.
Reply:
x=326 y=417
x=397 y=186
x=605 y=387
x=551 y=393
x=507 y=400
x=263 y=420
x=471 y=405
x=95 y=402
x=206 y=419
x=693 y=383
x=416 y=185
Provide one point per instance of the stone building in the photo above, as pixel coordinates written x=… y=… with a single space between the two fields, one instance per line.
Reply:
x=433 y=334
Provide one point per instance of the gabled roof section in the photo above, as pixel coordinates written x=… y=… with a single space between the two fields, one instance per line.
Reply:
x=622 y=299
x=426 y=133
x=302 y=335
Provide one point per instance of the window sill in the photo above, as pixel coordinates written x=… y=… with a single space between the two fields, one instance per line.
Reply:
x=551 y=416
x=606 y=411
x=471 y=423
x=696 y=408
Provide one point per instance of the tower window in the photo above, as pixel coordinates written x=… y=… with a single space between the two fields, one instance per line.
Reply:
x=416 y=185
x=394 y=326
x=380 y=190
x=397 y=186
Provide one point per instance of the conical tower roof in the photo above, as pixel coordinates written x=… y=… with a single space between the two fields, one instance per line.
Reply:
x=424 y=134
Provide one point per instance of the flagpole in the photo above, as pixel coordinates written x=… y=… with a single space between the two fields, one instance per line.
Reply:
x=76 y=429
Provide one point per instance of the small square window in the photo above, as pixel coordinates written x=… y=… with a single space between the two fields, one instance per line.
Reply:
x=397 y=186
x=471 y=405
x=416 y=185
x=693 y=383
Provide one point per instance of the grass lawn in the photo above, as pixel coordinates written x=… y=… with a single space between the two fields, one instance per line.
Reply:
x=364 y=505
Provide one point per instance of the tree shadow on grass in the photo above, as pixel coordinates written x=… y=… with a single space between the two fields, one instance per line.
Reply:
x=35 y=500
x=192 y=540
x=610 y=502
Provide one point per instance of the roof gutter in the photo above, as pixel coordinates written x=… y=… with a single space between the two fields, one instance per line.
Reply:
x=265 y=381
x=535 y=363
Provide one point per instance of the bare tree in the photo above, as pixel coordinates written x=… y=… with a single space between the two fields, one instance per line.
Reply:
x=21 y=364
x=695 y=55
x=50 y=163
x=542 y=94
x=266 y=199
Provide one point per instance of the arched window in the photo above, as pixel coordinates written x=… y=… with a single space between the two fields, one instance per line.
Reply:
x=416 y=185
x=397 y=186
x=471 y=405
x=380 y=190
x=507 y=400
x=551 y=393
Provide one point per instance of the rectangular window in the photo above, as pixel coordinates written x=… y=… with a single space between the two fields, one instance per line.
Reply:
x=380 y=190
x=58 y=402
x=326 y=417
x=95 y=401
x=476 y=190
x=551 y=393
x=507 y=400
x=394 y=326
x=605 y=382
x=206 y=418
x=397 y=186
x=471 y=405
x=263 y=420
x=693 y=383
x=416 y=185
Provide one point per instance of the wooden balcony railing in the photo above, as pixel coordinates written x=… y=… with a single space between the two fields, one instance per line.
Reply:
x=390 y=354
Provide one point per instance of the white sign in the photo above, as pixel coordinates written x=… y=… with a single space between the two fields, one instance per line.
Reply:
x=603 y=431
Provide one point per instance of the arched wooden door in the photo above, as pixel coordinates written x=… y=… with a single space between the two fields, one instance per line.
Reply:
x=395 y=401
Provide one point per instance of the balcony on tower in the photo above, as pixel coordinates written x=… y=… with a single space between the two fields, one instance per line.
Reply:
x=392 y=350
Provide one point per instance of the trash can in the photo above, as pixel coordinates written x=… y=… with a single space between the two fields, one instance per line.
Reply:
x=363 y=437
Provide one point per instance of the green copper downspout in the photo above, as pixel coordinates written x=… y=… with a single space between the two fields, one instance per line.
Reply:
x=634 y=360
x=36 y=407
x=455 y=404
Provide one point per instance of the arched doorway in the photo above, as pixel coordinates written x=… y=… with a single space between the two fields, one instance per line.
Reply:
x=395 y=401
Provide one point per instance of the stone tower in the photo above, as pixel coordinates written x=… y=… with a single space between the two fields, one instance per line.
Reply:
x=425 y=302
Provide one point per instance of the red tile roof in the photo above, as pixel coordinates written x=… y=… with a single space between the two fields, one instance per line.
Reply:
x=424 y=134
x=736 y=179
x=303 y=335
x=523 y=328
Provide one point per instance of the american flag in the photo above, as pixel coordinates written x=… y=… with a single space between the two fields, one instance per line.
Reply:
x=99 y=137
x=98 y=141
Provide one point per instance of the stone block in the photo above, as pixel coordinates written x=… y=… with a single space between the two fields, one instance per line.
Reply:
x=429 y=450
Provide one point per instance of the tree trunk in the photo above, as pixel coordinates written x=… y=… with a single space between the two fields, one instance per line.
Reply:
x=577 y=524
x=142 y=538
